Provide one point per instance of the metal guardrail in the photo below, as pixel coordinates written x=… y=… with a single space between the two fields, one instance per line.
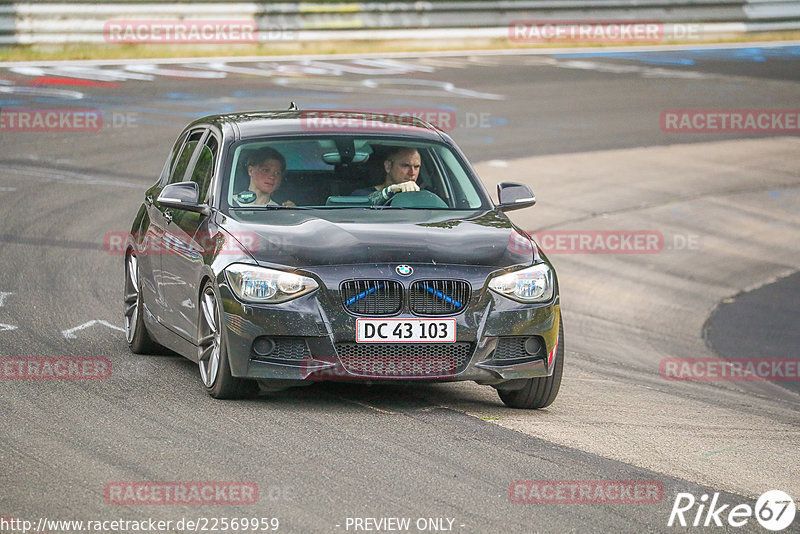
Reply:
x=62 y=22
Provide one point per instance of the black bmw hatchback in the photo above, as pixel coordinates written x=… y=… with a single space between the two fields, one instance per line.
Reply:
x=283 y=247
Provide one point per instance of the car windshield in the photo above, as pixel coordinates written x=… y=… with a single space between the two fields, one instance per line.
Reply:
x=346 y=172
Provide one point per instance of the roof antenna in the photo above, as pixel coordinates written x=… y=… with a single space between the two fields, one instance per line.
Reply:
x=293 y=106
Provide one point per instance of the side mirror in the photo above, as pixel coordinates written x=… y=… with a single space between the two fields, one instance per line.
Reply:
x=183 y=196
x=514 y=196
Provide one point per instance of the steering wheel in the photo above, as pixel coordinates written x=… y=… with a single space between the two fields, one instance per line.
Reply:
x=417 y=199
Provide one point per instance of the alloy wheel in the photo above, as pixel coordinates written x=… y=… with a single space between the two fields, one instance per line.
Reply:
x=210 y=338
x=132 y=297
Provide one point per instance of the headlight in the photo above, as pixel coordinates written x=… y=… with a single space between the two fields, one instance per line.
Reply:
x=258 y=284
x=534 y=284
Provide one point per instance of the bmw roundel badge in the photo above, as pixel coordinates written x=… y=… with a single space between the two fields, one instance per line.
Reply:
x=404 y=270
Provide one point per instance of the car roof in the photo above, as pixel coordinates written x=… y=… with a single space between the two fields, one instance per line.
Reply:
x=322 y=121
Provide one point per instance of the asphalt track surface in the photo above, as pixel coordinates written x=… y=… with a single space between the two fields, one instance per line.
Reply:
x=759 y=324
x=584 y=132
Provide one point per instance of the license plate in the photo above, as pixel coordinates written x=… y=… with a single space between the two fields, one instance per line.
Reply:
x=405 y=330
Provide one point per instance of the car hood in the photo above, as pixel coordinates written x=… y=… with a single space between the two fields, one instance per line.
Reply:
x=298 y=238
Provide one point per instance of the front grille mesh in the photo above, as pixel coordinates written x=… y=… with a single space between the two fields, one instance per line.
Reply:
x=290 y=348
x=372 y=297
x=397 y=360
x=287 y=348
x=511 y=347
x=438 y=297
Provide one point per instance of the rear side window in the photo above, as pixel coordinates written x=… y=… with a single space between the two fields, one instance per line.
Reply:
x=166 y=172
x=204 y=168
x=179 y=169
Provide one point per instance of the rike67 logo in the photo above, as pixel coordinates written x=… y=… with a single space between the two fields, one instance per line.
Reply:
x=774 y=510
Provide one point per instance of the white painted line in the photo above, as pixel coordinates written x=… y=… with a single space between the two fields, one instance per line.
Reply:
x=497 y=163
x=247 y=71
x=66 y=177
x=613 y=68
x=154 y=70
x=70 y=333
x=218 y=9
x=41 y=92
x=83 y=71
x=402 y=55
x=3 y=296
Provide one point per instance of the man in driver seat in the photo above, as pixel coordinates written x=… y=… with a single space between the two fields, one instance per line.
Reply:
x=402 y=170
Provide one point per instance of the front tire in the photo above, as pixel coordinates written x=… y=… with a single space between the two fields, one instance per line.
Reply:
x=539 y=392
x=136 y=334
x=215 y=371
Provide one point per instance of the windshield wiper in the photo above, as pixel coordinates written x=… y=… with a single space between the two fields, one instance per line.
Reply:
x=271 y=207
x=402 y=208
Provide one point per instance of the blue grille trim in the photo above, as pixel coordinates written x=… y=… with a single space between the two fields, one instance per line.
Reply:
x=363 y=294
x=449 y=300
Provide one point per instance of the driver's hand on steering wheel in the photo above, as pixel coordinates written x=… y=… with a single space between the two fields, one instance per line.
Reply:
x=405 y=187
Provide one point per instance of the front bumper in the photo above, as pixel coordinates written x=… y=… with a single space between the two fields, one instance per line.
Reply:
x=313 y=337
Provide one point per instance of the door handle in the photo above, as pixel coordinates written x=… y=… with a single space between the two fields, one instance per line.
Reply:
x=168 y=216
